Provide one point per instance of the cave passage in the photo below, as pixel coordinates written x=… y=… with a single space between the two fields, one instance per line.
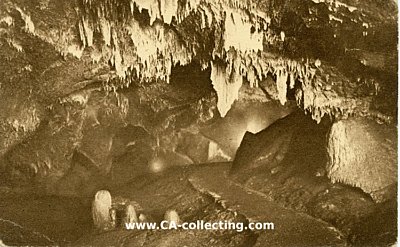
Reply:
x=115 y=112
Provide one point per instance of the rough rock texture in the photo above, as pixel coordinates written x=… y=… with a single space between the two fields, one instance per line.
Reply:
x=172 y=190
x=363 y=154
x=290 y=228
x=27 y=219
x=248 y=114
x=302 y=44
x=106 y=114
x=265 y=146
x=292 y=172
x=83 y=178
x=46 y=154
x=331 y=58
x=76 y=76
x=83 y=122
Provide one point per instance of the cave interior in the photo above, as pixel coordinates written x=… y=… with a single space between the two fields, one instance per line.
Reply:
x=280 y=111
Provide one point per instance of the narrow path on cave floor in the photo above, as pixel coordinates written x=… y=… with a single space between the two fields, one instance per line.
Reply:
x=291 y=228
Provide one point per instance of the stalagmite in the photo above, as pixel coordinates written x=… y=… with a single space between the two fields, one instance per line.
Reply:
x=143 y=218
x=130 y=214
x=172 y=216
x=113 y=218
x=283 y=36
x=101 y=210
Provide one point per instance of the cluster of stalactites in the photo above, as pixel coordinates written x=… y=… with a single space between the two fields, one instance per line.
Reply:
x=156 y=48
x=255 y=68
x=236 y=56
x=145 y=52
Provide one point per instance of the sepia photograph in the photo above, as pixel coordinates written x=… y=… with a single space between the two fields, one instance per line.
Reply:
x=199 y=123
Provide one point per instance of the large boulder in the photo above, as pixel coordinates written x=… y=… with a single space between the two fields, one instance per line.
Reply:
x=362 y=153
x=266 y=146
x=287 y=162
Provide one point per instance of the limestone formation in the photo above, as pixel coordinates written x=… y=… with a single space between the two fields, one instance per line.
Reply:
x=130 y=215
x=172 y=216
x=101 y=207
x=143 y=218
x=113 y=44
x=113 y=218
x=363 y=154
x=74 y=73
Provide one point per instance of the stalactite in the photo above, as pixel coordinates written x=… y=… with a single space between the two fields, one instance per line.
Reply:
x=151 y=5
x=252 y=78
x=74 y=50
x=156 y=45
x=116 y=59
x=105 y=28
x=157 y=48
x=291 y=80
x=169 y=9
x=29 y=26
x=281 y=79
x=238 y=33
x=226 y=85
x=88 y=31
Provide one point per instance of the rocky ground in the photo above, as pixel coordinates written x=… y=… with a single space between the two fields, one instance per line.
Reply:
x=204 y=192
x=279 y=174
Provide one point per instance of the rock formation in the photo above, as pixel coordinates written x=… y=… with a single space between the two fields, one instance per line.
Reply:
x=142 y=87
x=101 y=207
x=143 y=218
x=362 y=154
x=171 y=216
x=331 y=58
x=130 y=215
x=113 y=219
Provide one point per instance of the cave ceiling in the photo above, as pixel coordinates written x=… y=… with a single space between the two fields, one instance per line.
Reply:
x=339 y=57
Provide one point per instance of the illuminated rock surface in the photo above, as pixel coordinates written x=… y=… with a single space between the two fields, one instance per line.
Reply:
x=123 y=95
x=101 y=210
x=275 y=166
x=363 y=154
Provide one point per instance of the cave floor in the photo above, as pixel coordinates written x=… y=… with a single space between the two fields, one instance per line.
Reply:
x=201 y=192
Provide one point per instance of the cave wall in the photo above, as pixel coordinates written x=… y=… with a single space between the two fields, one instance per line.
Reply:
x=81 y=70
